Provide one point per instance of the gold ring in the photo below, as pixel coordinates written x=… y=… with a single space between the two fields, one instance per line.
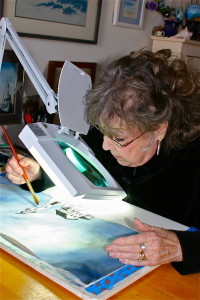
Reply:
x=142 y=256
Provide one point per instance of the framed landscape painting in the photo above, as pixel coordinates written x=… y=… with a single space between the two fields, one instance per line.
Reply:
x=129 y=13
x=11 y=87
x=76 y=21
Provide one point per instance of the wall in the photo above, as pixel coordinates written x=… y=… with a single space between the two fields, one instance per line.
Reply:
x=113 y=41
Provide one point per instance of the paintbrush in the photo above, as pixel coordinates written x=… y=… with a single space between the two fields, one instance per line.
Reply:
x=24 y=172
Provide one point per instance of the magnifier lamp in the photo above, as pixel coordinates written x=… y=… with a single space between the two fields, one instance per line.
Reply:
x=60 y=150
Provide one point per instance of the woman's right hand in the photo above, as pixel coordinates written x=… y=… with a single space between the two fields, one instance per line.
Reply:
x=15 y=173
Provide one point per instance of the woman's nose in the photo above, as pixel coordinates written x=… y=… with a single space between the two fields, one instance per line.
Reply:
x=107 y=143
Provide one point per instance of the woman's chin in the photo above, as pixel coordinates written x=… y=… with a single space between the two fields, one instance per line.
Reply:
x=123 y=162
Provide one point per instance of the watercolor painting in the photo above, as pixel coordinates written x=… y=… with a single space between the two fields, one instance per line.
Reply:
x=129 y=9
x=57 y=236
x=129 y=13
x=11 y=87
x=59 y=11
x=8 y=82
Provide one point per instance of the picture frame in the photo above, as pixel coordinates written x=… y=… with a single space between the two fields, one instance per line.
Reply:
x=1 y=8
x=129 y=13
x=11 y=87
x=34 y=18
x=55 y=67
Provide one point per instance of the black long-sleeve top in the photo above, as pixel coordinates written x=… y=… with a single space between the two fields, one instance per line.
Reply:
x=168 y=185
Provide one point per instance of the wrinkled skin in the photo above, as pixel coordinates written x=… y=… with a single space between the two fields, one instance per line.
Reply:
x=161 y=246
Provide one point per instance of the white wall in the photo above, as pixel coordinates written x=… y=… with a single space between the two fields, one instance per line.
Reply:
x=113 y=41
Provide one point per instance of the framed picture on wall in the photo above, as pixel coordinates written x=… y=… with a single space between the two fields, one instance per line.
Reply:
x=129 y=13
x=76 y=21
x=11 y=89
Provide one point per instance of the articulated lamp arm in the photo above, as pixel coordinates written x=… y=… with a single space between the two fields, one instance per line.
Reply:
x=7 y=32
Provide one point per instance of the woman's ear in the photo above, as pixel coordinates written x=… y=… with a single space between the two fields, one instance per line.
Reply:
x=161 y=131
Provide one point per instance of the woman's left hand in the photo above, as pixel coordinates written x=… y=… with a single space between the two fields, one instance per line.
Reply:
x=153 y=246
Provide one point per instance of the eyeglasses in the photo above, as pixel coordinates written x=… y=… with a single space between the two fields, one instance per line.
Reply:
x=116 y=142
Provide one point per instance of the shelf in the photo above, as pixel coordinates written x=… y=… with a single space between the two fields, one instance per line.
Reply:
x=175 y=40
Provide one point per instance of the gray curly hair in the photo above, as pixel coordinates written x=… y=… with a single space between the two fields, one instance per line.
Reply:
x=146 y=89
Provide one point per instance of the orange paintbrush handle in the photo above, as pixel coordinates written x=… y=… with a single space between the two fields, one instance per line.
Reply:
x=13 y=151
x=10 y=143
x=18 y=160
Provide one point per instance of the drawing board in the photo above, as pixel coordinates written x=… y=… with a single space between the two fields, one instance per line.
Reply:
x=65 y=242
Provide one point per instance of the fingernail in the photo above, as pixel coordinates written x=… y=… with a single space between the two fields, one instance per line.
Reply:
x=109 y=248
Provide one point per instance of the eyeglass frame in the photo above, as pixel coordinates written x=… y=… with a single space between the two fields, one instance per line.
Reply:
x=116 y=142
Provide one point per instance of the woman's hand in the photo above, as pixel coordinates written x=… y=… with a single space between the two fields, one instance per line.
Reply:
x=15 y=173
x=154 y=246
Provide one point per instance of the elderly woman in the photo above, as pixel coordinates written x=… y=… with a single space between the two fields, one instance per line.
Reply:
x=147 y=107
